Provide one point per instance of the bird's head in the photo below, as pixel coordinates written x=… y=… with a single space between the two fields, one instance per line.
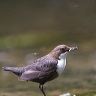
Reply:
x=62 y=50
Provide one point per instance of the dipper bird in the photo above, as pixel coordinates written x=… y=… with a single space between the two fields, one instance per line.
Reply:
x=45 y=68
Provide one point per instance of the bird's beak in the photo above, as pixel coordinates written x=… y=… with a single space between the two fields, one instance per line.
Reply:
x=73 y=48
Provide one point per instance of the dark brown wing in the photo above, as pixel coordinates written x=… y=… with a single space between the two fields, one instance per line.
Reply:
x=44 y=69
x=29 y=75
x=39 y=77
x=42 y=64
x=47 y=65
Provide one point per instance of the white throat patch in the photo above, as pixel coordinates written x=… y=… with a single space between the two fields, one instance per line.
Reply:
x=61 y=63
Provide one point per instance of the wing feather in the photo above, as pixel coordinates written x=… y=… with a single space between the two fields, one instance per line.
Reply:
x=40 y=70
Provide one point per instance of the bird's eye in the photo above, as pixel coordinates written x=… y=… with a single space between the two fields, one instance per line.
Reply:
x=62 y=49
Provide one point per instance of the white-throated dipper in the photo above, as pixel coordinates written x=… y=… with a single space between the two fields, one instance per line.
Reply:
x=44 y=69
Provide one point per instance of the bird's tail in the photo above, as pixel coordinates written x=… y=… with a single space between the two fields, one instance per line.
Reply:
x=16 y=70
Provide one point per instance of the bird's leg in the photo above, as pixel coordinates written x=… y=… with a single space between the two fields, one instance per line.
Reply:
x=42 y=90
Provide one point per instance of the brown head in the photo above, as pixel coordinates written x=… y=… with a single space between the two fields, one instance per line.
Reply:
x=57 y=51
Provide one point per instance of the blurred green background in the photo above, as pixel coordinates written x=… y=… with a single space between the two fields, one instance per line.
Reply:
x=31 y=28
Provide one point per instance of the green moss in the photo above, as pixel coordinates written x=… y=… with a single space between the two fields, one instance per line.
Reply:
x=92 y=93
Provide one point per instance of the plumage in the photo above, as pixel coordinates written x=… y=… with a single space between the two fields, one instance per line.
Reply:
x=16 y=70
x=45 y=68
x=61 y=63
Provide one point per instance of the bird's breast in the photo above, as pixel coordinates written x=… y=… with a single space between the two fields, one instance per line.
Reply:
x=61 y=65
